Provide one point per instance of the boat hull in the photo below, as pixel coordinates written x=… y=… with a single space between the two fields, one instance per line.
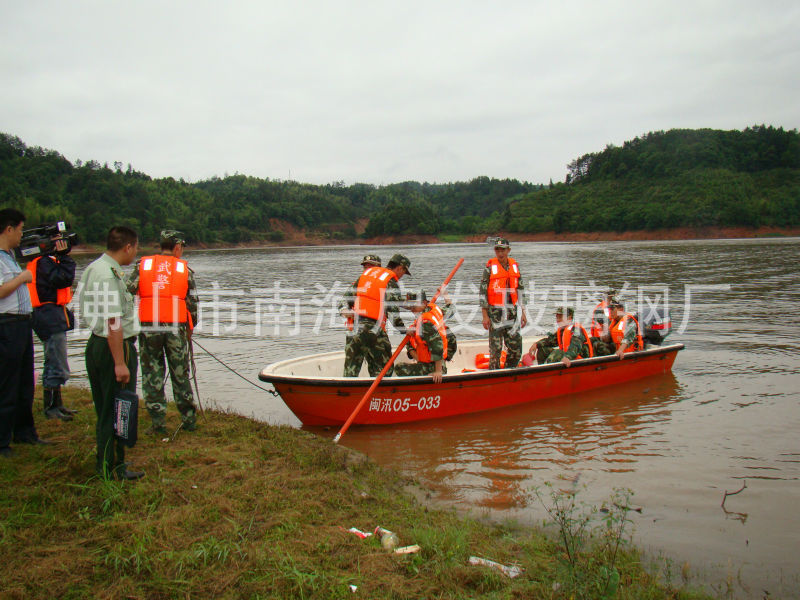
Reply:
x=330 y=401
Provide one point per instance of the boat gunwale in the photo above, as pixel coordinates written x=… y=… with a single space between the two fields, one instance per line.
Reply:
x=452 y=377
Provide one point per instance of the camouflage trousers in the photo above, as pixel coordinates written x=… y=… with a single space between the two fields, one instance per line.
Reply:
x=545 y=347
x=153 y=346
x=602 y=348
x=504 y=331
x=365 y=343
x=418 y=368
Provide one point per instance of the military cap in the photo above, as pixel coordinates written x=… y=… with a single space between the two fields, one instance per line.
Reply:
x=173 y=236
x=416 y=297
x=371 y=259
x=568 y=310
x=399 y=259
x=501 y=243
x=615 y=304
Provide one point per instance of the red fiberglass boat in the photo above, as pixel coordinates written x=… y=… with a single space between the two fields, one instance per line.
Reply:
x=315 y=391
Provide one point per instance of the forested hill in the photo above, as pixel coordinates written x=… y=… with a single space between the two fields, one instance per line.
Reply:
x=677 y=178
x=667 y=179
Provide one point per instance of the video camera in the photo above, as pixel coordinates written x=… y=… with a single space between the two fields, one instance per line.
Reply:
x=41 y=241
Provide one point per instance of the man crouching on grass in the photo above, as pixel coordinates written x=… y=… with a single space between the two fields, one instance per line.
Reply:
x=111 y=360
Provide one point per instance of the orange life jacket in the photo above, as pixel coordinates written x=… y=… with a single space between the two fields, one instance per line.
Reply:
x=597 y=328
x=618 y=328
x=502 y=281
x=370 y=293
x=564 y=337
x=163 y=285
x=482 y=360
x=63 y=295
x=435 y=317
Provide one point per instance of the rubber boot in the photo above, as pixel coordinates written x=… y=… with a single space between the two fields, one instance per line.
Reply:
x=50 y=409
x=60 y=404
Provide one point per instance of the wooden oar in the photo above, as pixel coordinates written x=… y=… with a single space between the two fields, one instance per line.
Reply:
x=391 y=360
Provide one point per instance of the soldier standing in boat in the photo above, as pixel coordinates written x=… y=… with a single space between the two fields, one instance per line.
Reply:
x=347 y=301
x=376 y=300
x=501 y=303
x=167 y=312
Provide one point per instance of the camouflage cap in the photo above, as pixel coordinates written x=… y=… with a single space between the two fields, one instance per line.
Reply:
x=173 y=236
x=568 y=310
x=416 y=297
x=501 y=243
x=399 y=259
x=371 y=259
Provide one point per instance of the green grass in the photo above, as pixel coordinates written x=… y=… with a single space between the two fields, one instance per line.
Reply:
x=241 y=509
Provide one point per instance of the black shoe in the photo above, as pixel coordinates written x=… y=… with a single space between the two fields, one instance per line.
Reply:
x=55 y=413
x=125 y=475
x=59 y=403
x=189 y=426
x=34 y=440
x=6 y=452
x=157 y=430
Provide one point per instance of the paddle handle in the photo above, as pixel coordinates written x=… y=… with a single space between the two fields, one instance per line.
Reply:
x=390 y=362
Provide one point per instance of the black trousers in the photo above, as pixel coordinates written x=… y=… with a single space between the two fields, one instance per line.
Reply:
x=100 y=368
x=16 y=381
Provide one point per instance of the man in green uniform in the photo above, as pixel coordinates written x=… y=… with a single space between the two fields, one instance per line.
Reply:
x=111 y=360
x=369 y=340
x=547 y=350
x=171 y=339
x=500 y=298
x=427 y=334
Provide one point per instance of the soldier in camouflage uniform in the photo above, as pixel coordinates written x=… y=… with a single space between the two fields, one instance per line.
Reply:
x=425 y=332
x=368 y=339
x=501 y=300
x=171 y=339
x=347 y=301
x=547 y=351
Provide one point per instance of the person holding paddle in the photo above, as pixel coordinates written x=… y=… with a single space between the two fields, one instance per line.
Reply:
x=428 y=339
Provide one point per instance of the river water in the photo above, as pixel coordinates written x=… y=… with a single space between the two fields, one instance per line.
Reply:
x=726 y=417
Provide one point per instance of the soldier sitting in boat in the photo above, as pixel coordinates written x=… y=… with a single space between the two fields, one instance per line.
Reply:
x=569 y=342
x=624 y=335
x=428 y=343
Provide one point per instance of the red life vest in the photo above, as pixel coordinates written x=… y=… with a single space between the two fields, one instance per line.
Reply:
x=435 y=317
x=564 y=337
x=597 y=328
x=618 y=328
x=370 y=293
x=482 y=360
x=502 y=281
x=163 y=285
x=63 y=295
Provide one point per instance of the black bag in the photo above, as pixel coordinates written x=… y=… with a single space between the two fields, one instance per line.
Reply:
x=126 y=417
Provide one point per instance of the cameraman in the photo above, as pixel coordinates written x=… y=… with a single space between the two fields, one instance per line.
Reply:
x=16 y=341
x=51 y=291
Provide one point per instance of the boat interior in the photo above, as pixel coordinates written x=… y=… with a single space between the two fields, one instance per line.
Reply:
x=330 y=364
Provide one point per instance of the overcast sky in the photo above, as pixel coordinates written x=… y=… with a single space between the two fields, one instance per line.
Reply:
x=381 y=92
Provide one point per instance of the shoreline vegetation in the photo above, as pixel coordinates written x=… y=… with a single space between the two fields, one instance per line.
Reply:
x=664 y=184
x=247 y=509
x=302 y=238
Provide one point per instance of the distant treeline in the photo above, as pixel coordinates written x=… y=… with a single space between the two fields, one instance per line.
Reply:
x=678 y=178
x=663 y=179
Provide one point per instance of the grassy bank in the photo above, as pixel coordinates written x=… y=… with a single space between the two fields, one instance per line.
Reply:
x=241 y=509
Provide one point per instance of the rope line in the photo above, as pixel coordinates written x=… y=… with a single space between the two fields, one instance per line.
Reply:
x=199 y=345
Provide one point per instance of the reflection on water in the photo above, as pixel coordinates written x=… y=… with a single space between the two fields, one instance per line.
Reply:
x=729 y=413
